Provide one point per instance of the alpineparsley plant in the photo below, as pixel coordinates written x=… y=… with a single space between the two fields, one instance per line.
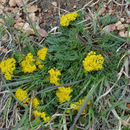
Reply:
x=65 y=59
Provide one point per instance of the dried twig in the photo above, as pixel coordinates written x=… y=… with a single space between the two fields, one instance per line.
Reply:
x=14 y=84
x=55 y=87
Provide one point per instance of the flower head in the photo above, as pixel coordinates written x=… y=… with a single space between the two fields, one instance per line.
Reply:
x=35 y=102
x=39 y=63
x=22 y=95
x=93 y=62
x=63 y=94
x=44 y=117
x=7 y=67
x=66 y=19
x=77 y=105
x=37 y=113
x=54 y=73
x=28 y=65
x=41 y=115
x=42 y=53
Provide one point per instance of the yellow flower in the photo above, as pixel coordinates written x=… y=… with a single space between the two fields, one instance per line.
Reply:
x=63 y=94
x=37 y=113
x=35 y=102
x=54 y=76
x=66 y=19
x=41 y=115
x=39 y=64
x=77 y=105
x=28 y=65
x=93 y=62
x=44 y=117
x=42 y=53
x=7 y=67
x=21 y=95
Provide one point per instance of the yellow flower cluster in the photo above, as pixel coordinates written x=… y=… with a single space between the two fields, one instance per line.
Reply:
x=7 y=67
x=54 y=73
x=28 y=65
x=41 y=115
x=39 y=64
x=63 y=94
x=21 y=95
x=42 y=53
x=76 y=106
x=66 y=19
x=93 y=62
x=35 y=102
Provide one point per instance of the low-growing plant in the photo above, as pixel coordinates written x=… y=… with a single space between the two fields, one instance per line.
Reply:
x=66 y=82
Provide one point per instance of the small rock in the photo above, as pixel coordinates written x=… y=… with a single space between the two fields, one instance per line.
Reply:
x=54 y=3
x=118 y=23
x=122 y=19
x=109 y=28
x=121 y=27
x=12 y=3
x=127 y=34
x=122 y=33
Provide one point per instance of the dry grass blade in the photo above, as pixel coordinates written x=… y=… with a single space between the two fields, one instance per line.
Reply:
x=14 y=84
x=117 y=116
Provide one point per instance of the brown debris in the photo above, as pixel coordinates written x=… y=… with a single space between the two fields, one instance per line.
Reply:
x=41 y=32
x=25 y=27
x=32 y=9
x=3 y=1
x=54 y=3
x=1 y=21
x=32 y=17
x=12 y=3
x=109 y=28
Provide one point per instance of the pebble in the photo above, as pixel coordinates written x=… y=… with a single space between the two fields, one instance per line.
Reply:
x=121 y=27
x=122 y=19
x=118 y=23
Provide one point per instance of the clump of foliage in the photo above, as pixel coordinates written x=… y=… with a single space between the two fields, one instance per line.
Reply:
x=67 y=75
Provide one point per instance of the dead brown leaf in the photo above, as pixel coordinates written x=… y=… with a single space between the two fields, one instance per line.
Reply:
x=42 y=32
x=128 y=105
x=32 y=9
x=109 y=28
x=25 y=27
x=12 y=3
